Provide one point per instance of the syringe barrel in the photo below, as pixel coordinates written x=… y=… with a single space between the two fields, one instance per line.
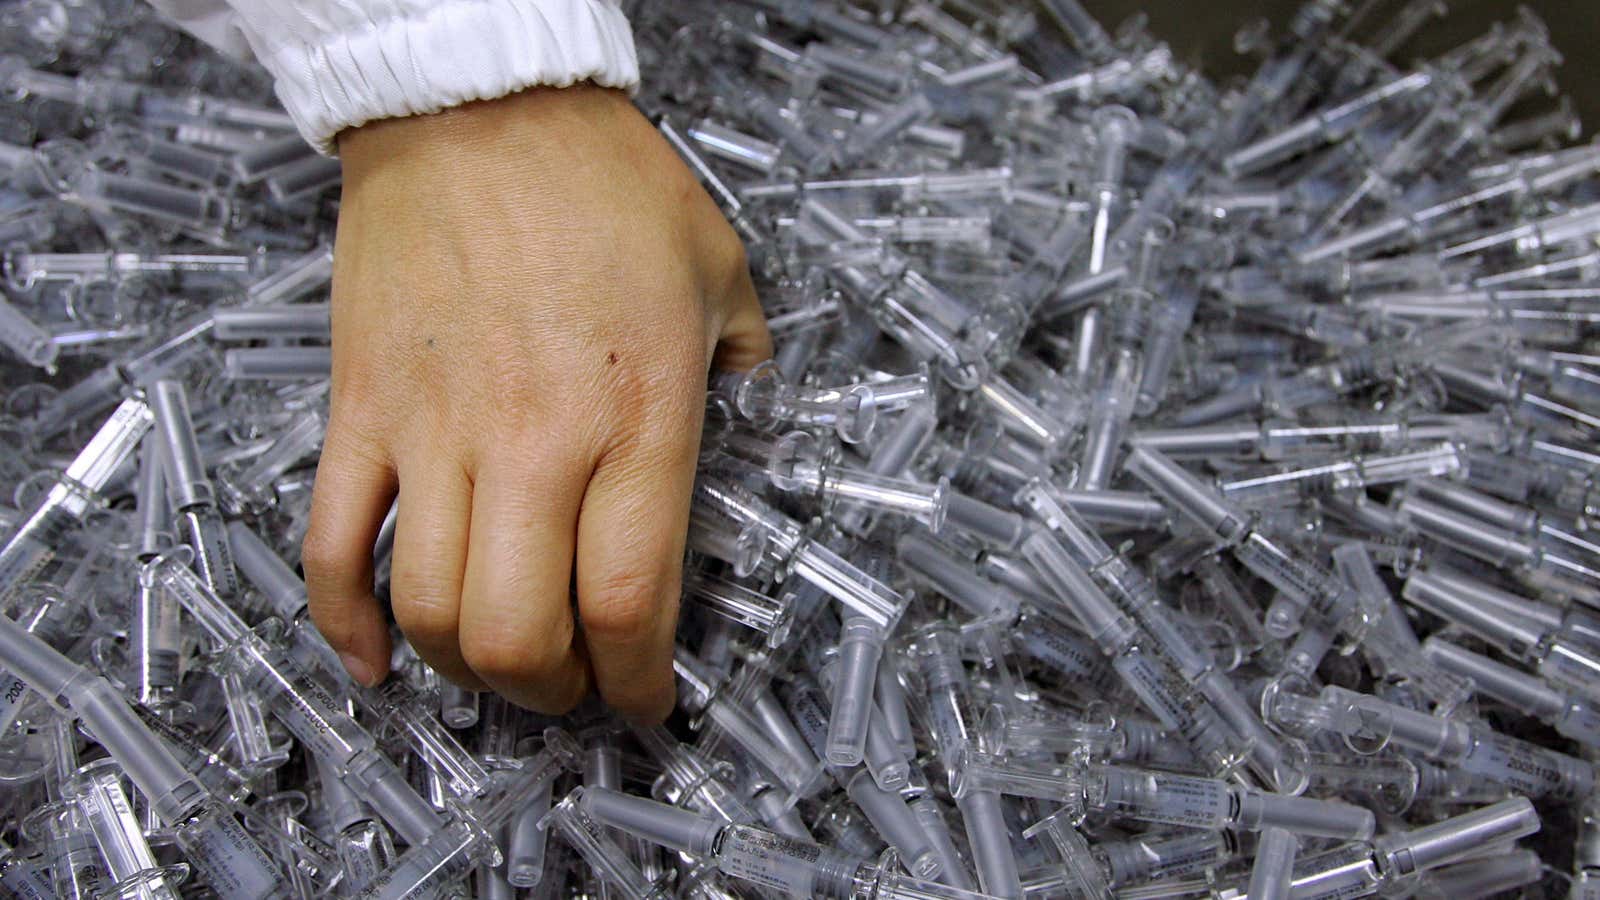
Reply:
x=1189 y=494
x=187 y=482
x=656 y=822
x=1456 y=837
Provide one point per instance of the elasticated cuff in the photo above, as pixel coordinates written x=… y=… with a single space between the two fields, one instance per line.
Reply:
x=444 y=54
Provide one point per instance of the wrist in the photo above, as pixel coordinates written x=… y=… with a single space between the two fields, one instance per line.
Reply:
x=534 y=126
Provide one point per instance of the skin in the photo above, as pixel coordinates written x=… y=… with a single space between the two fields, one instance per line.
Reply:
x=528 y=294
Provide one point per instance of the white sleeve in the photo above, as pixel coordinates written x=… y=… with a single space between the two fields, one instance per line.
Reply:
x=339 y=63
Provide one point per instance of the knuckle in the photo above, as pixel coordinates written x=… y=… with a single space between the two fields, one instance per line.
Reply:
x=624 y=607
x=420 y=571
x=427 y=616
x=503 y=659
x=322 y=553
x=356 y=457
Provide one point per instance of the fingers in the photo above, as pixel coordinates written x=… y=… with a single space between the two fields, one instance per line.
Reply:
x=745 y=340
x=430 y=561
x=354 y=488
x=630 y=554
x=516 y=626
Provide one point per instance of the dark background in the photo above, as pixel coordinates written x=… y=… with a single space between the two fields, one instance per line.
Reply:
x=1201 y=33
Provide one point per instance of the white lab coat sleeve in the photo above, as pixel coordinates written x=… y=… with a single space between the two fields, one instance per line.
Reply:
x=340 y=63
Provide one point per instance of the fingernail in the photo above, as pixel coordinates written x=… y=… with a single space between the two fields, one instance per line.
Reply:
x=358 y=669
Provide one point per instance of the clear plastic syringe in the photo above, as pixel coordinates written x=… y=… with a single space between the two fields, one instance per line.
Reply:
x=1081 y=28
x=1136 y=595
x=938 y=565
x=1144 y=669
x=1448 y=125
x=1390 y=645
x=1284 y=394
x=1029 y=733
x=25 y=269
x=1147 y=795
x=1323 y=126
x=1114 y=78
x=194 y=500
x=1357 y=471
x=791 y=137
x=800 y=463
x=20 y=876
x=765 y=397
x=1415 y=226
x=1363 y=868
x=96 y=788
x=972 y=183
x=700 y=689
x=394 y=704
x=615 y=873
x=804 y=556
x=227 y=857
x=254 y=322
x=1278 y=440
x=299 y=276
x=781 y=864
x=26 y=338
x=363 y=846
x=690 y=779
x=319 y=721
x=934 y=325
x=743 y=548
x=77 y=870
x=250 y=489
x=285 y=598
x=1110 y=409
x=1113 y=126
x=433 y=867
x=104 y=387
x=154 y=644
x=1369 y=723
x=1172 y=855
x=52 y=619
x=1273 y=869
x=854 y=677
x=205 y=213
x=772 y=617
x=730 y=202
x=1563 y=647
x=1571 y=226
x=111 y=95
x=1306 y=586
x=1493 y=873
x=1574 y=716
x=938 y=652
x=33 y=543
x=1497 y=546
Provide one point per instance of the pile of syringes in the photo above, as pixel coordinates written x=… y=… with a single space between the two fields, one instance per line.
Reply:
x=1161 y=489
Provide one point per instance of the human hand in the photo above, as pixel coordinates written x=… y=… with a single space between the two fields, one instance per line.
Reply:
x=527 y=295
